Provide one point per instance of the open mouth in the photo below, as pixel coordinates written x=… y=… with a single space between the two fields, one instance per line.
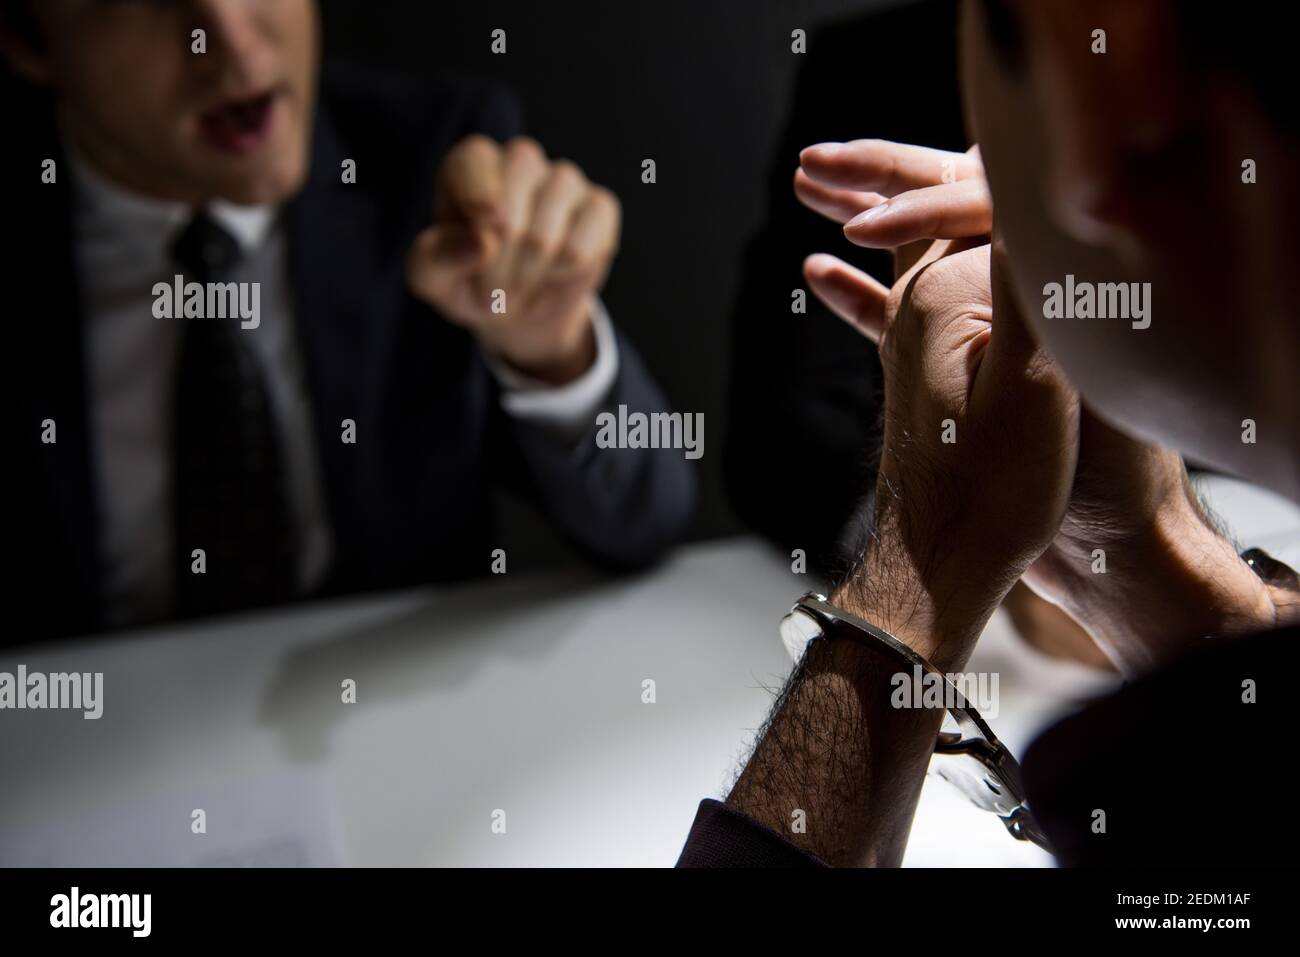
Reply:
x=238 y=126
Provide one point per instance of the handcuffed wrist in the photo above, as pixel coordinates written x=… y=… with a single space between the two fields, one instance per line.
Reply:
x=1150 y=598
x=887 y=591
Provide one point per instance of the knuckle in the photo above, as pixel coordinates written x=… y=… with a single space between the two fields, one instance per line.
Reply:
x=567 y=173
x=889 y=357
x=516 y=232
x=894 y=304
x=571 y=257
x=606 y=199
x=525 y=149
x=536 y=243
x=476 y=143
x=927 y=294
x=892 y=175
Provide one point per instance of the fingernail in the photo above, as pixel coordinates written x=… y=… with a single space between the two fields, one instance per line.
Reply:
x=868 y=215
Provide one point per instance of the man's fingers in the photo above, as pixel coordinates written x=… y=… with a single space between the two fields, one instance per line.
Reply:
x=554 y=204
x=839 y=205
x=879 y=166
x=849 y=293
x=471 y=184
x=950 y=211
x=443 y=257
x=583 y=258
x=593 y=236
x=524 y=170
x=508 y=218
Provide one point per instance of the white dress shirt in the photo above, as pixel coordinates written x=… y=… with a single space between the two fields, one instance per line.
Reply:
x=122 y=248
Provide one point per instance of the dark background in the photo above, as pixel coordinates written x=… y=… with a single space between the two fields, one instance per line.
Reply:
x=703 y=88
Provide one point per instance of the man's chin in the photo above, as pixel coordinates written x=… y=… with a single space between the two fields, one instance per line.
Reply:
x=259 y=187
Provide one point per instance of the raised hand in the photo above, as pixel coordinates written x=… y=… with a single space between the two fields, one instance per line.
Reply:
x=518 y=247
x=1134 y=560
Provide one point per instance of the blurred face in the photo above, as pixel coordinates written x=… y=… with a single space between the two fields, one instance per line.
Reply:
x=233 y=122
x=1126 y=166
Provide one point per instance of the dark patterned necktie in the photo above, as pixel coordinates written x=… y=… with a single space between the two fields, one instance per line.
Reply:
x=229 y=486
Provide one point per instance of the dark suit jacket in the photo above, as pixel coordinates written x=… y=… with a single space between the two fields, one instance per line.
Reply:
x=411 y=501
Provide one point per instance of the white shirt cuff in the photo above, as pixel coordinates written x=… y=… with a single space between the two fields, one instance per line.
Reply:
x=568 y=410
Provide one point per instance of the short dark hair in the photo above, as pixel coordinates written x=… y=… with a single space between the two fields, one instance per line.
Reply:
x=1253 y=47
x=17 y=16
x=1249 y=47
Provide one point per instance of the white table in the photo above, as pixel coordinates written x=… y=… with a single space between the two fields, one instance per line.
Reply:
x=522 y=695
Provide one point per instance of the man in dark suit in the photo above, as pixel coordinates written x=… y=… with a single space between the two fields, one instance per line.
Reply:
x=265 y=351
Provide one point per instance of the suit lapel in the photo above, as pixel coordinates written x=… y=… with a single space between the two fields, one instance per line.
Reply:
x=54 y=360
x=343 y=315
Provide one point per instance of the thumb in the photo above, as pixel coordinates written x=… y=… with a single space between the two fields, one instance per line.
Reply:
x=1016 y=368
x=444 y=256
x=1011 y=342
x=471 y=184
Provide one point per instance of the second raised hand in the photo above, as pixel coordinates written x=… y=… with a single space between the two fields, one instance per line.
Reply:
x=903 y=194
x=887 y=196
x=518 y=248
x=1171 y=576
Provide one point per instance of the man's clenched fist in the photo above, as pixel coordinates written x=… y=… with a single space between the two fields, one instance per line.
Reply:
x=518 y=248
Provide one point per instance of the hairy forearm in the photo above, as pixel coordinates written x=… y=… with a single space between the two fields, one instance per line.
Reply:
x=838 y=770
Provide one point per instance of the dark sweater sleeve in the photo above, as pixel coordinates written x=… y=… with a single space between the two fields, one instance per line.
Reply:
x=723 y=837
x=1181 y=768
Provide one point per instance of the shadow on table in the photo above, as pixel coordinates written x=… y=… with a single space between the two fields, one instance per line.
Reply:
x=434 y=647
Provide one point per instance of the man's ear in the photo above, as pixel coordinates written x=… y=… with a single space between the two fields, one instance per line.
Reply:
x=25 y=54
x=1115 y=91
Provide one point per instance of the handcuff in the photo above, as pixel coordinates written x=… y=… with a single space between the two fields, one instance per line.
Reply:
x=971 y=758
x=1271 y=571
